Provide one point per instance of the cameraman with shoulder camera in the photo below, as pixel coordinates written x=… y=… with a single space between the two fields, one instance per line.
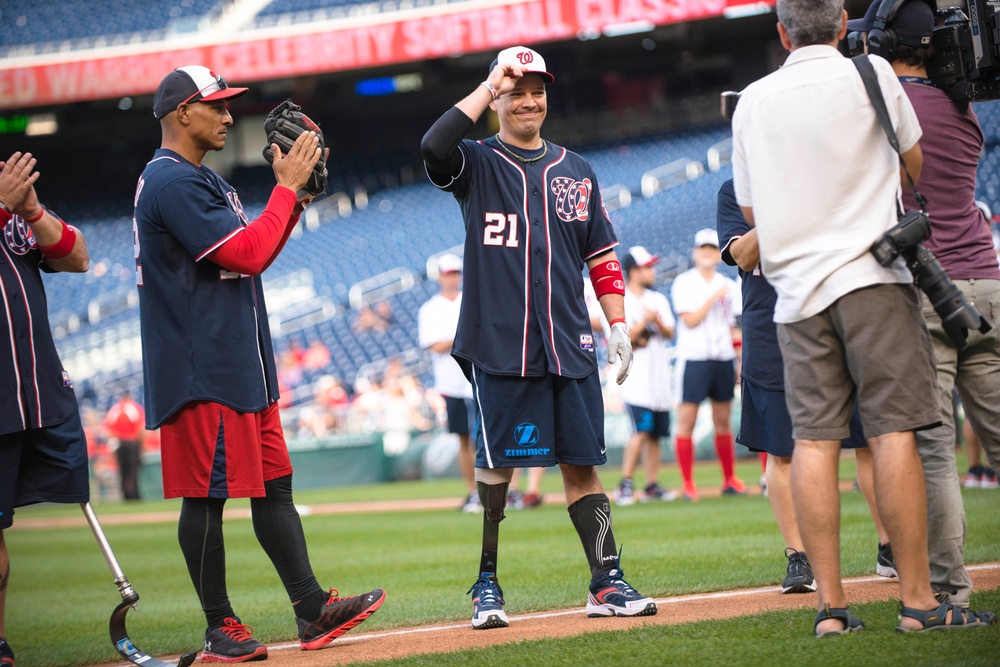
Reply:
x=951 y=145
x=813 y=170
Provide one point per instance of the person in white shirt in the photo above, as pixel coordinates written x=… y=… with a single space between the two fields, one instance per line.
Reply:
x=705 y=302
x=437 y=321
x=646 y=392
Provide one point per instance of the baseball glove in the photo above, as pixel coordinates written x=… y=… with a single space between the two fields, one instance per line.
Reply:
x=283 y=126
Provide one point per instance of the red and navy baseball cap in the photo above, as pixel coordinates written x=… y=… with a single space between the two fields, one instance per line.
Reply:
x=529 y=60
x=192 y=83
x=639 y=257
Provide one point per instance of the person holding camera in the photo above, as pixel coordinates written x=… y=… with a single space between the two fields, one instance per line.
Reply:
x=815 y=175
x=951 y=144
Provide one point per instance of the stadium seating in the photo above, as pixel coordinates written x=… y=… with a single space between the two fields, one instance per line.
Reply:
x=398 y=228
x=35 y=22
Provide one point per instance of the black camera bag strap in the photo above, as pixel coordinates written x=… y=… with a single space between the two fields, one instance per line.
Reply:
x=867 y=72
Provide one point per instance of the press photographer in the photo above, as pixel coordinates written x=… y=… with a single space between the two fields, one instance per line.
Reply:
x=904 y=33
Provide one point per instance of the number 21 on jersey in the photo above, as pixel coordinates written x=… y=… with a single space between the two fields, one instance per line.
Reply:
x=501 y=230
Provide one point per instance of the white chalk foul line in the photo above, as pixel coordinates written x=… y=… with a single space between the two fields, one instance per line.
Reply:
x=741 y=592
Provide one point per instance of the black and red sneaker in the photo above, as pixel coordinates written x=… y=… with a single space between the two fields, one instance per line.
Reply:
x=232 y=642
x=338 y=616
x=6 y=654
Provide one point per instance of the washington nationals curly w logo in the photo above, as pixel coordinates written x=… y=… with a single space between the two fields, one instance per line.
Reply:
x=525 y=57
x=572 y=198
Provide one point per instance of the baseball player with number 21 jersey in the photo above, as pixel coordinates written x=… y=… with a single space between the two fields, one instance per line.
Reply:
x=534 y=218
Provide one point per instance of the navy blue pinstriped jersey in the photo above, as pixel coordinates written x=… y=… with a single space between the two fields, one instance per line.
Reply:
x=530 y=228
x=35 y=391
x=205 y=334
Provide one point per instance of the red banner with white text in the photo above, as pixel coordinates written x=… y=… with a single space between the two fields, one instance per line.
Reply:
x=443 y=31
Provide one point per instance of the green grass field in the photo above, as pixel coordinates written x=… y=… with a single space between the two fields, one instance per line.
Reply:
x=61 y=592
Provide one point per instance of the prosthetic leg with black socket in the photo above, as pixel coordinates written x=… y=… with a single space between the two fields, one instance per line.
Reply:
x=487 y=597
x=610 y=594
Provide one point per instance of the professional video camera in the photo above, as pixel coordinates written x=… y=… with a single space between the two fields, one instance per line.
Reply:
x=957 y=314
x=966 y=60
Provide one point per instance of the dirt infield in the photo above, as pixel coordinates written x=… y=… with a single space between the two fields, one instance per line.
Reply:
x=357 y=647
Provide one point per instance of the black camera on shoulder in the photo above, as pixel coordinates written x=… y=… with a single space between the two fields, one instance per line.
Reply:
x=957 y=314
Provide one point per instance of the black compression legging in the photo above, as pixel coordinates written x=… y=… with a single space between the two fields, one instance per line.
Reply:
x=278 y=528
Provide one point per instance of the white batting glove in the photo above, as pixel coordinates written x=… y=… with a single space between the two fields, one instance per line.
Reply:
x=620 y=345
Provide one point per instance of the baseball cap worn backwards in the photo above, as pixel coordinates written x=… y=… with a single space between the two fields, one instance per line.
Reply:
x=192 y=83
x=638 y=256
x=913 y=22
x=529 y=60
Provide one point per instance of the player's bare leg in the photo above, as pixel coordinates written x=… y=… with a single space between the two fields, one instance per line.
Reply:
x=885 y=565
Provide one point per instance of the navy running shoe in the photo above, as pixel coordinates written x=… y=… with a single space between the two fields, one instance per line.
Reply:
x=6 y=654
x=611 y=595
x=487 y=603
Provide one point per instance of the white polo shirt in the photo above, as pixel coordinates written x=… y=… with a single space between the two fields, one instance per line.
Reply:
x=649 y=381
x=712 y=338
x=816 y=167
x=437 y=320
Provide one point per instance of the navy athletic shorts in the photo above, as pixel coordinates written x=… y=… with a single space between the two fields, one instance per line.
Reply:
x=43 y=465
x=538 y=421
x=766 y=426
x=459 y=415
x=644 y=420
x=712 y=378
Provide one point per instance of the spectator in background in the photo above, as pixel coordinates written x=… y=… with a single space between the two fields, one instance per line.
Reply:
x=316 y=357
x=124 y=424
x=647 y=392
x=704 y=301
x=437 y=321
x=960 y=238
x=377 y=317
x=43 y=447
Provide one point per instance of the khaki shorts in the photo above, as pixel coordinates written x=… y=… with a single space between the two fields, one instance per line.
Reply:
x=870 y=345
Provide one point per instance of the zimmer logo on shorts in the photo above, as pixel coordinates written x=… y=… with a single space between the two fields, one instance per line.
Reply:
x=526 y=435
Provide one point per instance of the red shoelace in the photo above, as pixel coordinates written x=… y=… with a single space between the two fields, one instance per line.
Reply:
x=239 y=632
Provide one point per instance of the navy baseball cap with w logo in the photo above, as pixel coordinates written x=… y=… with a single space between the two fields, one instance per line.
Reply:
x=529 y=60
x=192 y=83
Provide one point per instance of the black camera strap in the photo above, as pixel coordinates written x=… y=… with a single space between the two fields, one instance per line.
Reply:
x=867 y=72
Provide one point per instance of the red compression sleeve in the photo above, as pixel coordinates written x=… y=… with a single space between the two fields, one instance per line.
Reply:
x=254 y=247
x=606 y=277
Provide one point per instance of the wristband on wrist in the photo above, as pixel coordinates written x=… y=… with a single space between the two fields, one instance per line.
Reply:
x=489 y=87
x=5 y=214
x=41 y=213
x=616 y=321
x=63 y=246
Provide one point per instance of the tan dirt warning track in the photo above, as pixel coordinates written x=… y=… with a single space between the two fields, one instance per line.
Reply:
x=359 y=646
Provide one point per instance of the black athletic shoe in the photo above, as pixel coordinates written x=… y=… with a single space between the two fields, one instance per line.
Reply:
x=799 y=578
x=338 y=616
x=885 y=565
x=6 y=654
x=232 y=642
